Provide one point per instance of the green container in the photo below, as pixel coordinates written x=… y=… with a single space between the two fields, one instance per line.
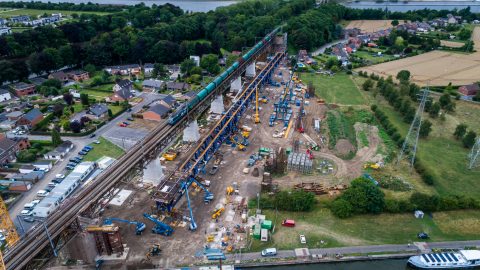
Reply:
x=256 y=232
x=267 y=224
x=289 y=150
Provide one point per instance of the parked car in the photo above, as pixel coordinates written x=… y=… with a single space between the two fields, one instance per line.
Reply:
x=61 y=176
x=92 y=135
x=35 y=202
x=82 y=153
x=73 y=160
x=288 y=223
x=48 y=189
x=69 y=168
x=423 y=235
x=130 y=119
x=57 y=180
x=129 y=110
x=26 y=212
x=52 y=184
x=72 y=164
x=88 y=147
x=303 y=239
x=28 y=206
x=122 y=125
x=269 y=252
x=79 y=158
x=29 y=219
x=86 y=150
x=42 y=193
x=96 y=142
x=126 y=123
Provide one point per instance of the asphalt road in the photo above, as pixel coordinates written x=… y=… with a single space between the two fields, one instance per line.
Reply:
x=420 y=246
x=59 y=167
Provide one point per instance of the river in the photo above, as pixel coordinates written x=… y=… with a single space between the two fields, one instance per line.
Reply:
x=187 y=5
x=391 y=264
x=416 y=5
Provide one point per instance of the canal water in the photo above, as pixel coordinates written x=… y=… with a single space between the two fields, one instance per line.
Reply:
x=393 y=264
x=416 y=5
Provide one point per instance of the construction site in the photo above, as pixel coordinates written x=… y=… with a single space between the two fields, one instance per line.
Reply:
x=279 y=143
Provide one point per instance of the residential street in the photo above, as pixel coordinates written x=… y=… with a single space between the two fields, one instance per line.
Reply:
x=59 y=167
x=418 y=246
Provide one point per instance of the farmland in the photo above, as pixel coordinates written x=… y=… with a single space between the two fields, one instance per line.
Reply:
x=370 y=25
x=436 y=68
x=335 y=89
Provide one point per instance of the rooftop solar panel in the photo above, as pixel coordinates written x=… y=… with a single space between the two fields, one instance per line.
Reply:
x=425 y=258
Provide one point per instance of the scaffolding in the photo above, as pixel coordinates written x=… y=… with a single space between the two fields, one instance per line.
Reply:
x=8 y=229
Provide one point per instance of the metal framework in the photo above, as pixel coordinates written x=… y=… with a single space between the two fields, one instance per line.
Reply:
x=172 y=190
x=409 y=147
x=8 y=229
x=474 y=154
x=282 y=108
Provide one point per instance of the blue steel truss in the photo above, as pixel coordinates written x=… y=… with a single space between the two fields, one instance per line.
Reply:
x=282 y=108
x=179 y=183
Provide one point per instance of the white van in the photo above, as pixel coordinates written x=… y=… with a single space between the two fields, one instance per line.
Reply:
x=42 y=193
x=26 y=212
x=269 y=252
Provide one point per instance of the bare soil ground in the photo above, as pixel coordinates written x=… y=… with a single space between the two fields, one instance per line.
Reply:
x=436 y=68
x=343 y=147
x=452 y=44
x=370 y=25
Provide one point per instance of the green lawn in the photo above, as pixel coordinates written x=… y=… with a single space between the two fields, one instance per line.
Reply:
x=369 y=56
x=320 y=224
x=98 y=95
x=36 y=12
x=115 y=109
x=105 y=148
x=334 y=89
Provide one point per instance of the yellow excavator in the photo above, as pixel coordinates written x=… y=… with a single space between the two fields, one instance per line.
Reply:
x=217 y=213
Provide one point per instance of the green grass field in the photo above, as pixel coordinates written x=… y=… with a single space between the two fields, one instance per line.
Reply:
x=115 y=109
x=373 y=59
x=105 y=148
x=335 y=89
x=35 y=12
x=98 y=95
x=320 y=224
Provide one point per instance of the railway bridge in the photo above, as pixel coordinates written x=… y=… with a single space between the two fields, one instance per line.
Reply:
x=45 y=239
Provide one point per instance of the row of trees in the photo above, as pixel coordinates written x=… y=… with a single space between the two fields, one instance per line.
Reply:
x=467 y=138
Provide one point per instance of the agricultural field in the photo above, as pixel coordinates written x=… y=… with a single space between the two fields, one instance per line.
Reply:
x=105 y=148
x=371 y=25
x=436 y=68
x=334 y=89
x=320 y=224
x=452 y=44
x=36 y=12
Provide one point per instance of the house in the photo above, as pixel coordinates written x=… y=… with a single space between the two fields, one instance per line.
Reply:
x=3 y=21
x=469 y=90
x=5 y=30
x=19 y=186
x=60 y=151
x=20 y=18
x=168 y=102
x=22 y=142
x=38 y=81
x=43 y=165
x=153 y=85
x=156 y=112
x=98 y=111
x=8 y=150
x=23 y=89
x=195 y=59
x=451 y=19
x=14 y=116
x=178 y=86
x=78 y=75
x=148 y=69
x=133 y=69
x=122 y=91
x=31 y=118
x=59 y=76
x=32 y=177
x=5 y=95
x=26 y=169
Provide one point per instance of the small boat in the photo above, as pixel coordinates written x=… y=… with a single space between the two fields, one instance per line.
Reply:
x=462 y=259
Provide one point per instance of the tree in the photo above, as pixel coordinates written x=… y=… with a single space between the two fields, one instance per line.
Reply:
x=469 y=139
x=210 y=63
x=403 y=76
x=477 y=96
x=58 y=109
x=460 y=131
x=110 y=113
x=332 y=61
x=425 y=128
x=68 y=98
x=447 y=103
x=159 y=70
x=424 y=202
x=186 y=66
x=364 y=196
x=75 y=126
x=90 y=68
x=367 y=85
x=394 y=22
x=26 y=156
x=84 y=99
x=434 y=110
x=341 y=208
x=56 y=139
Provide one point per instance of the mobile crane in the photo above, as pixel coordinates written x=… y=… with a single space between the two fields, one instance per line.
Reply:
x=160 y=228
x=139 y=226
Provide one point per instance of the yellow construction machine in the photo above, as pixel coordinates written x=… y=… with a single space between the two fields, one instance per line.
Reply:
x=169 y=155
x=217 y=213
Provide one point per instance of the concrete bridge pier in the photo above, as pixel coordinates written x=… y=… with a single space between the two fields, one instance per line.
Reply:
x=236 y=85
x=217 y=105
x=153 y=173
x=191 y=133
x=250 y=71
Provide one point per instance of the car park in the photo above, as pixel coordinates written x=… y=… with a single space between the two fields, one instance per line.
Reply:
x=269 y=252
x=303 y=239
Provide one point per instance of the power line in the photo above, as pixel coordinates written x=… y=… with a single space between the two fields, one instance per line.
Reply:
x=474 y=154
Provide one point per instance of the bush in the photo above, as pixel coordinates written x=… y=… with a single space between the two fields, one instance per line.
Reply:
x=296 y=200
x=26 y=156
x=341 y=208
